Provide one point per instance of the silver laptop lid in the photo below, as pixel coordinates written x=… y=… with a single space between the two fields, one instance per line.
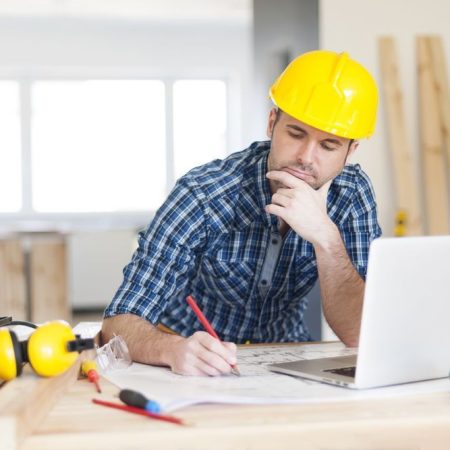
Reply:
x=405 y=329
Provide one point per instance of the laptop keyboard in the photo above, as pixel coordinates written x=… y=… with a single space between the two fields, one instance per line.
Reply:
x=346 y=371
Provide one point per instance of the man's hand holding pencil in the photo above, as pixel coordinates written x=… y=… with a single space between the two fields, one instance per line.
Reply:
x=203 y=353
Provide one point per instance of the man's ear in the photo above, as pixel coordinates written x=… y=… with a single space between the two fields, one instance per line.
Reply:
x=271 y=122
x=354 y=145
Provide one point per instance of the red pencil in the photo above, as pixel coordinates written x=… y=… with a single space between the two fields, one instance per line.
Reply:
x=140 y=411
x=204 y=321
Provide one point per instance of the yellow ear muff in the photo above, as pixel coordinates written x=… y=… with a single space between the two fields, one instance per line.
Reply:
x=10 y=355
x=48 y=351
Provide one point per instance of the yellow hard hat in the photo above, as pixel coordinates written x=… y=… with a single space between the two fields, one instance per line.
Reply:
x=328 y=91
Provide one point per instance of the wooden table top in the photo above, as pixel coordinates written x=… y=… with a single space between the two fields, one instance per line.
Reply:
x=408 y=423
x=58 y=414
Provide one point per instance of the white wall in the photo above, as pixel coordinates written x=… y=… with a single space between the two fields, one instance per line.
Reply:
x=354 y=26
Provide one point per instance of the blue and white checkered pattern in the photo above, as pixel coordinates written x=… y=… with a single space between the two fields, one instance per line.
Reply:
x=210 y=238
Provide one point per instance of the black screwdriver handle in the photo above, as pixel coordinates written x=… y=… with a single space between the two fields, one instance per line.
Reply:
x=133 y=398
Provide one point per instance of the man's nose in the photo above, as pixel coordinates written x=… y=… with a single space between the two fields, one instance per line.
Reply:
x=306 y=152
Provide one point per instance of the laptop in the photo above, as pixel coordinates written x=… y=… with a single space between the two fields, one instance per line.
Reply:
x=405 y=327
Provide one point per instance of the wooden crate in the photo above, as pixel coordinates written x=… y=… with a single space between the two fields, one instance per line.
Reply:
x=48 y=280
x=13 y=301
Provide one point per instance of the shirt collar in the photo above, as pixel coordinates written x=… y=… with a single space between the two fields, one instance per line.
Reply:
x=262 y=187
x=255 y=191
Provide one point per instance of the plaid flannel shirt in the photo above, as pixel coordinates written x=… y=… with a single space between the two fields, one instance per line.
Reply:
x=213 y=239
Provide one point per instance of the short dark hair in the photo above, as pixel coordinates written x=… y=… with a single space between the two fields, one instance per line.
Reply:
x=278 y=115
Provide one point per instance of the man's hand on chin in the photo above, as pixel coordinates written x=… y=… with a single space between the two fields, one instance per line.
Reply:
x=303 y=208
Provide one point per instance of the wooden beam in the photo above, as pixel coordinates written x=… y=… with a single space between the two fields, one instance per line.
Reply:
x=434 y=169
x=443 y=95
x=406 y=183
x=26 y=401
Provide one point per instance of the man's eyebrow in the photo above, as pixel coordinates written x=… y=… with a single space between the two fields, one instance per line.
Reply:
x=334 y=141
x=302 y=130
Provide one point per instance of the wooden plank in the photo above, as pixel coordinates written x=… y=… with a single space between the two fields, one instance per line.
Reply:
x=434 y=170
x=406 y=183
x=443 y=95
x=26 y=401
x=48 y=278
x=279 y=432
x=12 y=280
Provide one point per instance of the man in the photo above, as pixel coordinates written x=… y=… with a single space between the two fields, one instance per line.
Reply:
x=248 y=236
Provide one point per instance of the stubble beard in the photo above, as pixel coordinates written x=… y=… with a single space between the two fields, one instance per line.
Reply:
x=314 y=182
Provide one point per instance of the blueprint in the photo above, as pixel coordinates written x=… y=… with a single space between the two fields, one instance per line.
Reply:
x=254 y=359
x=256 y=385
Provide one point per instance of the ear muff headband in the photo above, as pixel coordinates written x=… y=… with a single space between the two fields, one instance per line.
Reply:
x=51 y=350
x=20 y=357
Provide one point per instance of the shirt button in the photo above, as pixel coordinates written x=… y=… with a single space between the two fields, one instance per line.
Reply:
x=274 y=241
x=264 y=282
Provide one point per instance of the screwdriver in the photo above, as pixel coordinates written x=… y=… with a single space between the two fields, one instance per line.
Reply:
x=89 y=369
x=138 y=400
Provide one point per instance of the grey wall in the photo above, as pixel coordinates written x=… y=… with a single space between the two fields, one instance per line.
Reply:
x=281 y=31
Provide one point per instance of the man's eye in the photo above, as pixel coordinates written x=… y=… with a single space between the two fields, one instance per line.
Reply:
x=327 y=147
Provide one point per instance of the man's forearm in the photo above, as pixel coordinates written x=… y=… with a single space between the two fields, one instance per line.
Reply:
x=145 y=342
x=341 y=287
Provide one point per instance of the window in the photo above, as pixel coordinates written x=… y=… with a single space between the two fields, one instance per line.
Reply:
x=10 y=148
x=103 y=146
x=98 y=145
